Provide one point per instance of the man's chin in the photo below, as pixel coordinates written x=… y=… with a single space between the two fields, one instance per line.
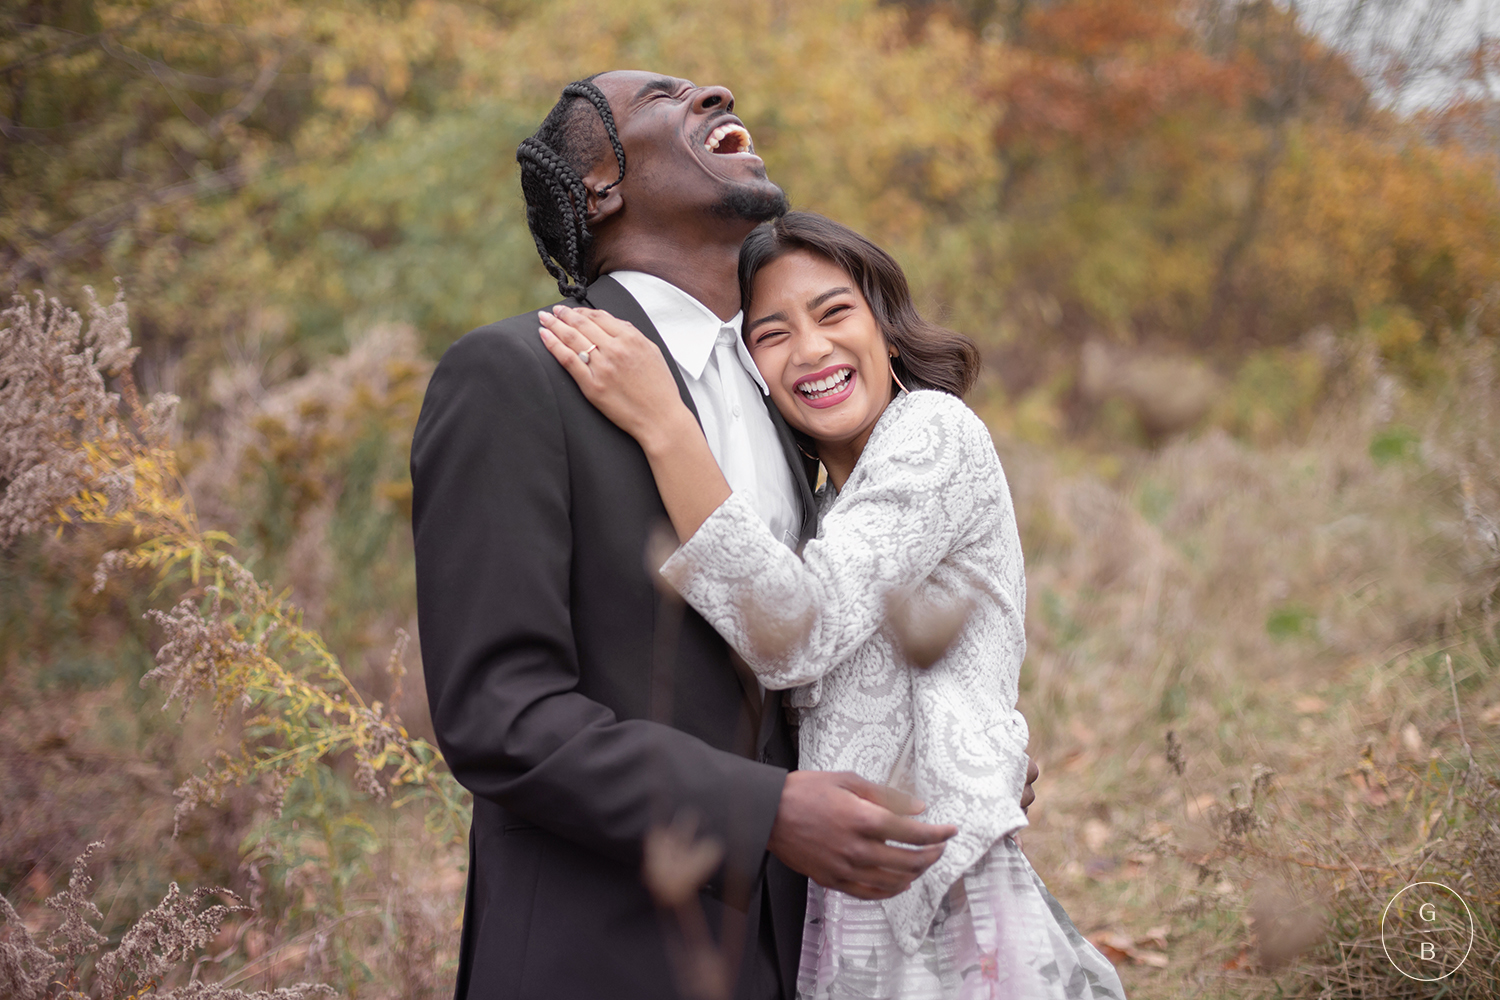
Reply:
x=753 y=203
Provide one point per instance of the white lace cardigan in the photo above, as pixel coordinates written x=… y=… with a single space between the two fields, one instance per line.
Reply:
x=926 y=513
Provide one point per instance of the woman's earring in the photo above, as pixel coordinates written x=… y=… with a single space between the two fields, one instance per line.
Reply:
x=895 y=376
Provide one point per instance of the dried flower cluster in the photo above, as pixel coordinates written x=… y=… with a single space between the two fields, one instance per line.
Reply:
x=72 y=451
x=924 y=628
x=61 y=426
x=676 y=862
x=247 y=651
x=150 y=951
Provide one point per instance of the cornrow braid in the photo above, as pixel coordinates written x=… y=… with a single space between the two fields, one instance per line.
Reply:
x=552 y=164
x=591 y=93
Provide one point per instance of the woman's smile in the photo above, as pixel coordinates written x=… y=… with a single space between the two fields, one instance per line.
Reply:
x=828 y=387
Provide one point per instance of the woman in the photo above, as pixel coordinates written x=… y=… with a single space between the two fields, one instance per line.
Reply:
x=916 y=527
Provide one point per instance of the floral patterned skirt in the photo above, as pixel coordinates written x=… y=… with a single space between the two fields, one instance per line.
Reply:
x=999 y=935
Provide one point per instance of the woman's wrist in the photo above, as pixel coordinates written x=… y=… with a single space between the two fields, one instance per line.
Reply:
x=669 y=434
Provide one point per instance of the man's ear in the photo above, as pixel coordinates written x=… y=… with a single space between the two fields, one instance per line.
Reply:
x=602 y=206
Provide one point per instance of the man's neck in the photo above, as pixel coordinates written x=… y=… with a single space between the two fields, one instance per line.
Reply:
x=707 y=272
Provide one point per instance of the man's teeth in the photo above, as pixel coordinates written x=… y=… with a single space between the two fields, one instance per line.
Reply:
x=740 y=145
x=826 y=386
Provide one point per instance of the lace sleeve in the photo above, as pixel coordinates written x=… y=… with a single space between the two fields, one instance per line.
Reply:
x=903 y=509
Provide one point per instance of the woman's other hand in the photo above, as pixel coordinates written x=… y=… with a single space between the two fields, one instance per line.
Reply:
x=619 y=370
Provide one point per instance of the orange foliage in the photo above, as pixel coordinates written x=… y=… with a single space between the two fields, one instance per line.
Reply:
x=1100 y=71
x=1213 y=175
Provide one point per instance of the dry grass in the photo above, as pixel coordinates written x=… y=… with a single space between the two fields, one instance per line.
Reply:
x=1289 y=613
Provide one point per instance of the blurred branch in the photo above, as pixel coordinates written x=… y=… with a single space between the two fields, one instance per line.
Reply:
x=84 y=41
x=167 y=75
x=98 y=227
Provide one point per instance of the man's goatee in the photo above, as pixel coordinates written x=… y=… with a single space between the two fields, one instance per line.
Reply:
x=753 y=204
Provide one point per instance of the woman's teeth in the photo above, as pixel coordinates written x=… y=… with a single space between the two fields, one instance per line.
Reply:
x=826 y=386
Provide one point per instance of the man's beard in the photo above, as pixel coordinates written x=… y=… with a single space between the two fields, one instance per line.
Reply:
x=752 y=203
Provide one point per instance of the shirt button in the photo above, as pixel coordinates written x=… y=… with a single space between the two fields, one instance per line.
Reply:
x=736 y=411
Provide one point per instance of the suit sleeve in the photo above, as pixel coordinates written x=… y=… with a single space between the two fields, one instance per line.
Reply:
x=493 y=553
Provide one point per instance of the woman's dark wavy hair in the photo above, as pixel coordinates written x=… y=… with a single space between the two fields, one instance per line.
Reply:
x=927 y=355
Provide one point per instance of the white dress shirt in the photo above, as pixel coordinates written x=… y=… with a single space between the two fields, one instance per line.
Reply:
x=729 y=392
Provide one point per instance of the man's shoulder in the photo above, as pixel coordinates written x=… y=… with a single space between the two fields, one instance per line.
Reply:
x=506 y=339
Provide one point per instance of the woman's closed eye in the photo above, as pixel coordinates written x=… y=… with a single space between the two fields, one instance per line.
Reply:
x=764 y=336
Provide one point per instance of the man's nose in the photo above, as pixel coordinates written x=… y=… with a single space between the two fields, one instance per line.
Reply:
x=713 y=99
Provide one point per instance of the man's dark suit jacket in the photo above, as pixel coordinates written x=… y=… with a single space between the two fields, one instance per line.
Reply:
x=548 y=650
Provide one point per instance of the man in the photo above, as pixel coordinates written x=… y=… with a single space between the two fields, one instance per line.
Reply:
x=579 y=703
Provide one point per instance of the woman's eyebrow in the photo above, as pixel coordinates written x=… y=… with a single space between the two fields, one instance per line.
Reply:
x=815 y=302
x=768 y=318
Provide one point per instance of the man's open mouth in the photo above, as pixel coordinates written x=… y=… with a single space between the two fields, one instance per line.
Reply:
x=828 y=385
x=729 y=138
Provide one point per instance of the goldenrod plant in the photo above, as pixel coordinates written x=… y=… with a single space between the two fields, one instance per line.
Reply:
x=86 y=450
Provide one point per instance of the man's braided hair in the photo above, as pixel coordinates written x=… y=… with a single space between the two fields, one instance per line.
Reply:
x=553 y=164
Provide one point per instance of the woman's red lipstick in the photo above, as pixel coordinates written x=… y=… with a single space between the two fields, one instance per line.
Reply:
x=833 y=399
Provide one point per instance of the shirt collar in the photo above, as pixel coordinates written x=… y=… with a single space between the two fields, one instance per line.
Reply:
x=688 y=328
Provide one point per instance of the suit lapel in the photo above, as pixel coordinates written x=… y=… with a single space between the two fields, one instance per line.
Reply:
x=611 y=296
x=608 y=294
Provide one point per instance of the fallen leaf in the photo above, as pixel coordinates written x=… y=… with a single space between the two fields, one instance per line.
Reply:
x=1491 y=715
x=1119 y=948
x=1372 y=791
x=1095 y=833
x=1116 y=947
x=1411 y=738
x=1309 y=704
x=1156 y=937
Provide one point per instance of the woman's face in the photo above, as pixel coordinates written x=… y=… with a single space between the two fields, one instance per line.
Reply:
x=818 y=347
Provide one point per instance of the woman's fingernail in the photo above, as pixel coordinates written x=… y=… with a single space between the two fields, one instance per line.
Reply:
x=544 y=332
